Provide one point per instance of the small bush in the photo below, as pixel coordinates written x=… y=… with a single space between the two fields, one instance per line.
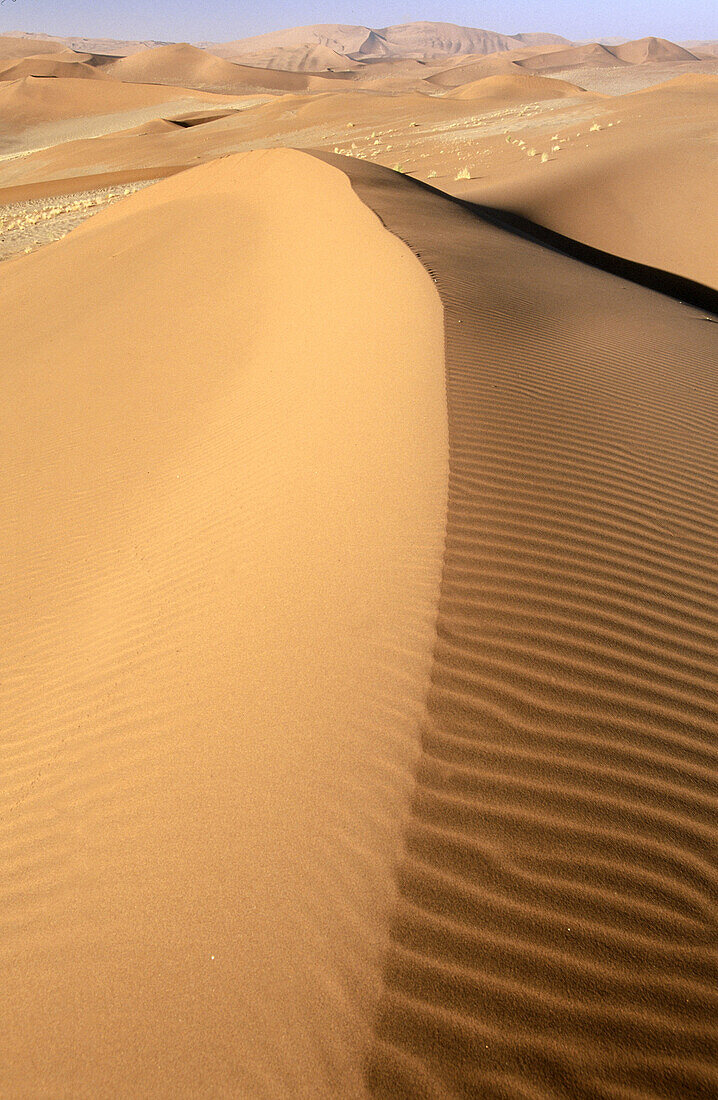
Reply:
x=464 y=174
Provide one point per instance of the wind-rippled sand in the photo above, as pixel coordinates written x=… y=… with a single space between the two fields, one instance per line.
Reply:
x=360 y=684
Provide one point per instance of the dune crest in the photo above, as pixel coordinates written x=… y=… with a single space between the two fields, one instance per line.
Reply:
x=516 y=87
x=49 y=67
x=32 y=100
x=196 y=68
x=225 y=446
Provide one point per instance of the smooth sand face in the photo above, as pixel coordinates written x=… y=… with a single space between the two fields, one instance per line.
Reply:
x=225 y=460
x=32 y=100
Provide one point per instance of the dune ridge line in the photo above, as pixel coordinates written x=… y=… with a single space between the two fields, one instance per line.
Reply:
x=225 y=479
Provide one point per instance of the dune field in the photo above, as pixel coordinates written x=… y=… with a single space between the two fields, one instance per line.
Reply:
x=360 y=512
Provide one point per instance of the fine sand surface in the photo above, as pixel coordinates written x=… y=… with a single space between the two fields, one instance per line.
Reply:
x=12 y=46
x=310 y=59
x=224 y=475
x=49 y=67
x=515 y=88
x=634 y=174
x=359 y=688
x=195 y=68
x=556 y=929
x=33 y=100
x=643 y=189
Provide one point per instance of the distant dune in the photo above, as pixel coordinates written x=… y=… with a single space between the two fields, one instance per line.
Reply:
x=49 y=67
x=444 y=39
x=303 y=59
x=538 y=38
x=699 y=83
x=337 y=37
x=651 y=49
x=35 y=43
x=408 y=40
x=628 y=53
x=375 y=46
x=466 y=70
x=33 y=100
x=179 y=64
x=194 y=68
x=518 y=87
x=15 y=46
x=592 y=54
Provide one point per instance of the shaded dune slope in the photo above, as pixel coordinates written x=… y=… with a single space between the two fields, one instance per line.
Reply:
x=557 y=923
x=623 y=199
x=224 y=485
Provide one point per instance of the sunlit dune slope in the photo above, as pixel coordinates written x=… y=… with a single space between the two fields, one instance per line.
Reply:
x=14 y=47
x=34 y=100
x=592 y=54
x=516 y=88
x=644 y=193
x=187 y=66
x=49 y=67
x=651 y=49
x=224 y=475
x=309 y=59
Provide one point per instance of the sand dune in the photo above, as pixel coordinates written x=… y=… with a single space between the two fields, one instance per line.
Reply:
x=317 y=781
x=699 y=83
x=48 y=67
x=592 y=54
x=651 y=49
x=645 y=196
x=556 y=928
x=303 y=59
x=495 y=64
x=197 y=69
x=34 y=43
x=538 y=38
x=338 y=37
x=225 y=447
x=638 y=52
x=14 y=47
x=374 y=47
x=34 y=100
x=419 y=39
x=181 y=65
x=516 y=87
x=426 y=39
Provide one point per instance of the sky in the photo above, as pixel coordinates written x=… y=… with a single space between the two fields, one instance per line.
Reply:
x=223 y=20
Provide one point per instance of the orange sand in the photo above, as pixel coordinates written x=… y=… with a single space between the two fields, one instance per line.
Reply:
x=319 y=780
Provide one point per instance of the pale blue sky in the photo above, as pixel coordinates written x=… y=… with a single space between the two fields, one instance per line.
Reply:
x=221 y=20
